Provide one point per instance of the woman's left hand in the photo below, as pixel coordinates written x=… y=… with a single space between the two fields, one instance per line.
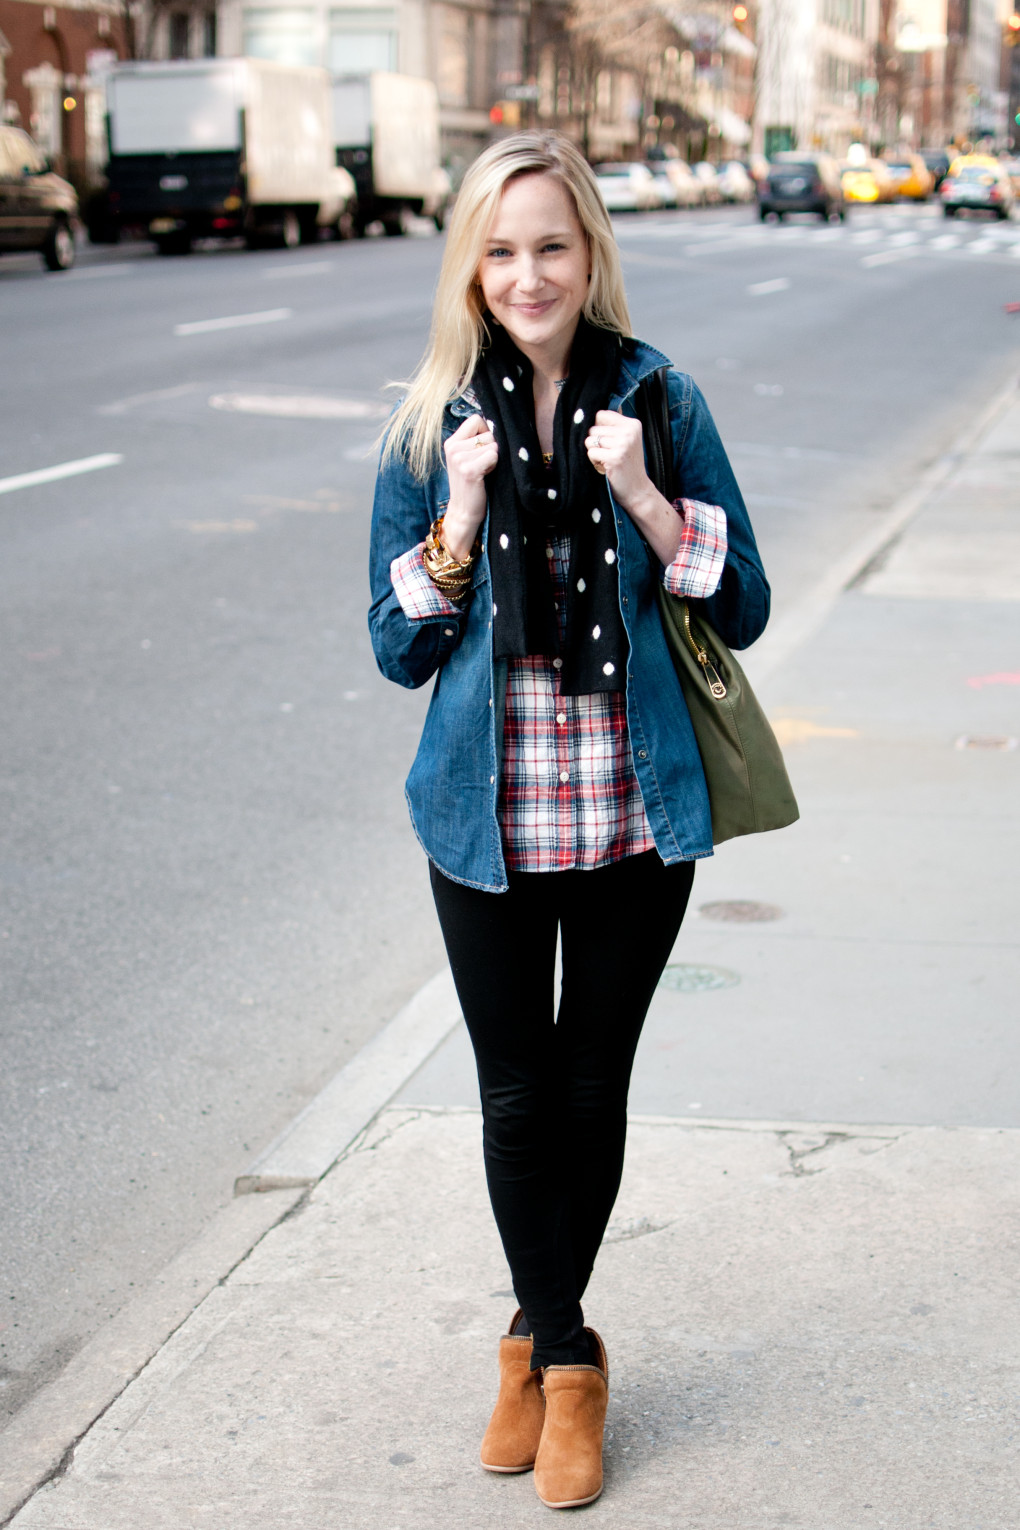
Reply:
x=614 y=445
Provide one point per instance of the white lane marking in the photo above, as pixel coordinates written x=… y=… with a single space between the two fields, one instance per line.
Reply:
x=944 y=242
x=115 y=268
x=903 y=239
x=1015 y=251
x=62 y=470
x=866 y=236
x=301 y=406
x=308 y=268
x=777 y=284
x=122 y=405
x=883 y=257
x=233 y=321
x=981 y=246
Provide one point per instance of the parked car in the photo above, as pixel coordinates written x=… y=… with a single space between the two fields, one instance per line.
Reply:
x=627 y=187
x=709 y=178
x=911 y=176
x=735 y=184
x=38 y=210
x=869 y=182
x=977 y=181
x=801 y=183
x=665 y=187
x=688 y=191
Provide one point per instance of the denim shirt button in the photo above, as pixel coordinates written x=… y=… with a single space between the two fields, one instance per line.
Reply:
x=642 y=754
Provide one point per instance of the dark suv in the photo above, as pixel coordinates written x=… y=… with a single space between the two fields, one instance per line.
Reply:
x=38 y=210
x=807 y=183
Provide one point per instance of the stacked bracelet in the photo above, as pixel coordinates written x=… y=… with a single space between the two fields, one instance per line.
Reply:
x=450 y=575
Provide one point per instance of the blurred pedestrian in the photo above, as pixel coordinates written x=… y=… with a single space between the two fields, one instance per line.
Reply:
x=557 y=790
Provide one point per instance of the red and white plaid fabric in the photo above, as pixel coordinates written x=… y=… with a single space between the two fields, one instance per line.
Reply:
x=569 y=798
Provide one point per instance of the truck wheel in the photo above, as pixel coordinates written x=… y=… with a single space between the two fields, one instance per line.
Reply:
x=173 y=244
x=58 y=252
x=439 y=217
x=393 y=225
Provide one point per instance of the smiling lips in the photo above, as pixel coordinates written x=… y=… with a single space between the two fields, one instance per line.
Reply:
x=533 y=308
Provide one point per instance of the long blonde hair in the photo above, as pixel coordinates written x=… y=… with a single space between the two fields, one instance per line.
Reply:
x=458 y=323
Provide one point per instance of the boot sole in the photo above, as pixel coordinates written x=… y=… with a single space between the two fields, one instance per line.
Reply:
x=508 y=1471
x=569 y=1503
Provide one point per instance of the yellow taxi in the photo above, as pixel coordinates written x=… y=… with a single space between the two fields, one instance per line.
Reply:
x=868 y=182
x=911 y=176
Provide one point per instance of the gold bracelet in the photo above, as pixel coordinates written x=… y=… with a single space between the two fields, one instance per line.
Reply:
x=446 y=572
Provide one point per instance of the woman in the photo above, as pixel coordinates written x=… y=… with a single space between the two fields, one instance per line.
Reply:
x=557 y=790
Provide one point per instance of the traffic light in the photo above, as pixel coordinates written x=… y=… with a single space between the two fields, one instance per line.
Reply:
x=506 y=114
x=1011 y=31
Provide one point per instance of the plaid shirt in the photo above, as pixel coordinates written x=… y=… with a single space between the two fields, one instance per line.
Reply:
x=568 y=797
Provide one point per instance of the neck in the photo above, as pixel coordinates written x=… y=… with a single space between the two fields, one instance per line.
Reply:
x=550 y=362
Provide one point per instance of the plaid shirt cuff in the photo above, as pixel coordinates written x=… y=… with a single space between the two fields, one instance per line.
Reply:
x=419 y=598
x=697 y=568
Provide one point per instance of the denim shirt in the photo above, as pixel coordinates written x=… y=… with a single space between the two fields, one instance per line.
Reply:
x=453 y=786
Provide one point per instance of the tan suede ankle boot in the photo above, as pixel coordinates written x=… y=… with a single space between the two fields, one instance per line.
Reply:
x=568 y=1468
x=515 y=1428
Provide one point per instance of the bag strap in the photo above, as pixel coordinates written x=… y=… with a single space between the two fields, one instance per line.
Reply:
x=651 y=405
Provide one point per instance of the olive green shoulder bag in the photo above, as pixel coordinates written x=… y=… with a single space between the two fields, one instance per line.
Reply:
x=749 y=790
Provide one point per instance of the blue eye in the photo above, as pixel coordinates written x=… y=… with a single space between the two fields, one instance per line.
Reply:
x=496 y=253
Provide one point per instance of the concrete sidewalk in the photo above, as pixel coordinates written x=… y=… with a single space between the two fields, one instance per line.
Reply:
x=810 y=1321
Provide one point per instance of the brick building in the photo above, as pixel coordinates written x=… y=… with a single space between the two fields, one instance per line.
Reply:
x=51 y=59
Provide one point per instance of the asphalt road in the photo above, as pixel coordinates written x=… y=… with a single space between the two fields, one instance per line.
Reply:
x=211 y=895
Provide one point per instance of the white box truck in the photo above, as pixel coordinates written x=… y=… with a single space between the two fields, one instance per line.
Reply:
x=219 y=146
x=386 y=131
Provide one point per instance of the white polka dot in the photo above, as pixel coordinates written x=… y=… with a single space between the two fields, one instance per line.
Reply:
x=508 y=385
x=523 y=454
x=551 y=493
x=610 y=555
x=557 y=663
x=596 y=516
x=596 y=632
x=504 y=541
x=564 y=776
x=578 y=416
x=609 y=669
x=581 y=586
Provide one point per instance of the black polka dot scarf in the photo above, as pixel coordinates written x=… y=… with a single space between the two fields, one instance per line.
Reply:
x=529 y=502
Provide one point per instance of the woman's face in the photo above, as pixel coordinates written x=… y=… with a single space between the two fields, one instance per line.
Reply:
x=535 y=267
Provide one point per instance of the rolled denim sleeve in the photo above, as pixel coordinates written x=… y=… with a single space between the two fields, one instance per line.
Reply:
x=419 y=598
x=698 y=566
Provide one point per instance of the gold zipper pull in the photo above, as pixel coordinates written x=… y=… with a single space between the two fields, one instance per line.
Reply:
x=715 y=683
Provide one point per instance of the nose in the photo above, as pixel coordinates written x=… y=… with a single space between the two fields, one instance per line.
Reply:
x=529 y=277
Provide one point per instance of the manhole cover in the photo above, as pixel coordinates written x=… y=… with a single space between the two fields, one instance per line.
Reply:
x=683 y=978
x=973 y=741
x=740 y=911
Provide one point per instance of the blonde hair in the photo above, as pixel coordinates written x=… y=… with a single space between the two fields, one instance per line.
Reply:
x=458 y=330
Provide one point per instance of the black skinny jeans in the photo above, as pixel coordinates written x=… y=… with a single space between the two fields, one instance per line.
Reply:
x=554 y=1088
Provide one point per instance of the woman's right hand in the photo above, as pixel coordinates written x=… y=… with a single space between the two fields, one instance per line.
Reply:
x=471 y=453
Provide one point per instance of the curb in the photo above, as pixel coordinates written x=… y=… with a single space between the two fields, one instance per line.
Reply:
x=309 y=1147
x=799 y=624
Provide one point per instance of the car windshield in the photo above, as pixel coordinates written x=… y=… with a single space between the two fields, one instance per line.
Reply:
x=901 y=166
x=794 y=167
x=975 y=173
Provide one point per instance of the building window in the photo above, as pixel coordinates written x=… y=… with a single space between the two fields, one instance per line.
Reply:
x=285 y=36
x=209 y=34
x=180 y=29
x=452 y=56
x=362 y=40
